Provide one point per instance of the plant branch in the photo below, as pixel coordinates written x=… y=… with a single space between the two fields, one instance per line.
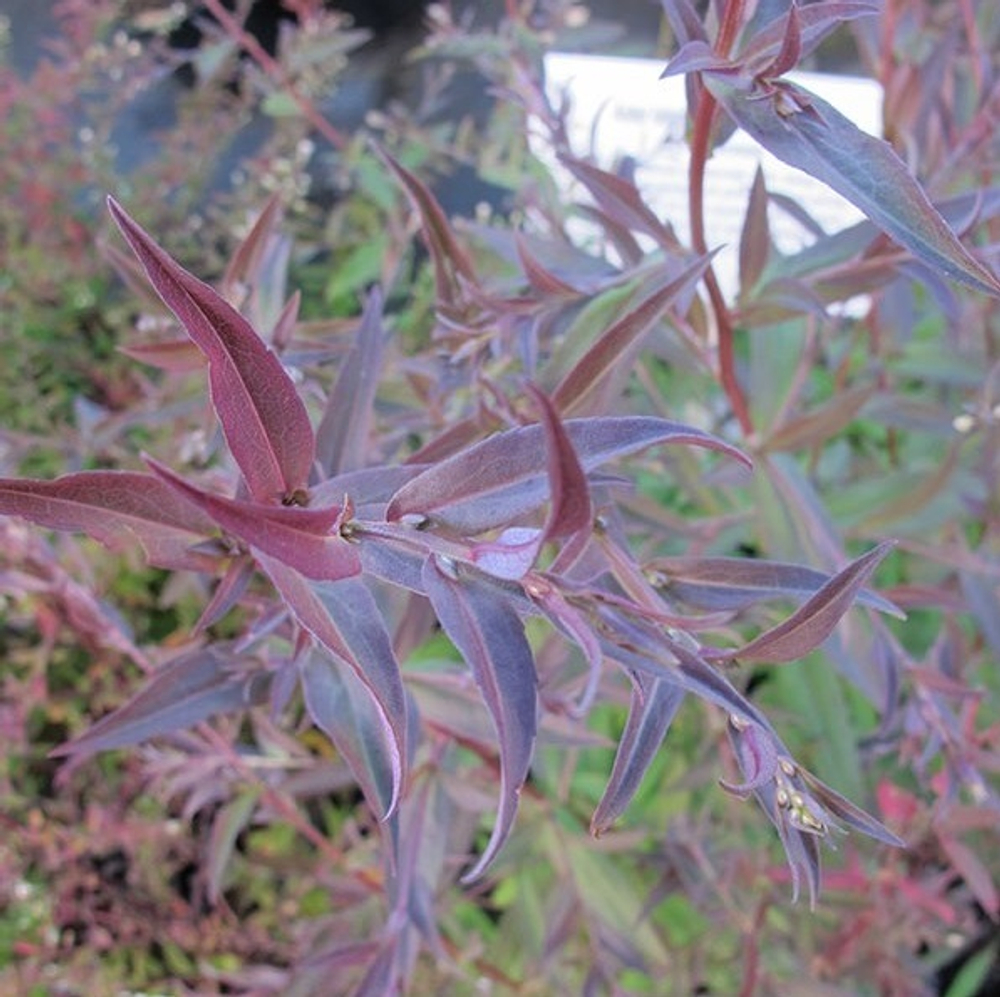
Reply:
x=273 y=70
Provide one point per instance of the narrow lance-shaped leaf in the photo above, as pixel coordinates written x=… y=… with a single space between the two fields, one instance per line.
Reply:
x=182 y=693
x=342 y=437
x=654 y=704
x=344 y=618
x=735 y=582
x=343 y=708
x=117 y=508
x=491 y=639
x=264 y=420
x=814 y=621
x=605 y=356
x=811 y=135
x=504 y=476
x=305 y=539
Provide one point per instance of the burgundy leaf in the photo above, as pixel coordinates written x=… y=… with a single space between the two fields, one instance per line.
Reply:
x=814 y=621
x=620 y=200
x=305 y=539
x=343 y=708
x=342 y=442
x=790 y=50
x=811 y=135
x=117 y=508
x=734 y=582
x=264 y=420
x=344 y=618
x=539 y=276
x=449 y=258
x=490 y=637
x=244 y=267
x=654 y=704
x=178 y=356
x=181 y=693
x=814 y=22
x=606 y=354
x=755 y=238
x=502 y=477
x=515 y=552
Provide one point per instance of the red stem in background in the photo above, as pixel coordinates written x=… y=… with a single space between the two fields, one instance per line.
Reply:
x=272 y=69
x=700 y=138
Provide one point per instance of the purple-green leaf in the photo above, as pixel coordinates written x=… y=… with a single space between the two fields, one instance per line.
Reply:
x=497 y=479
x=304 y=539
x=343 y=708
x=607 y=353
x=814 y=621
x=654 y=704
x=117 y=508
x=264 y=420
x=182 y=693
x=344 y=618
x=806 y=132
x=720 y=583
x=490 y=637
x=342 y=442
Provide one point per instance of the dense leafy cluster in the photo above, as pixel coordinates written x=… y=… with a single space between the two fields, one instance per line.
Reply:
x=451 y=532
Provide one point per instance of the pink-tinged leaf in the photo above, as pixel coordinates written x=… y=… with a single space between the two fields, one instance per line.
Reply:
x=814 y=621
x=304 y=539
x=720 y=583
x=504 y=476
x=183 y=692
x=448 y=257
x=245 y=264
x=811 y=135
x=654 y=704
x=284 y=325
x=814 y=23
x=568 y=488
x=755 y=238
x=514 y=553
x=757 y=753
x=228 y=592
x=490 y=637
x=607 y=354
x=264 y=420
x=344 y=618
x=620 y=200
x=231 y=819
x=684 y=21
x=176 y=356
x=696 y=56
x=823 y=422
x=790 y=51
x=342 y=442
x=117 y=508
x=975 y=872
x=540 y=277
x=343 y=708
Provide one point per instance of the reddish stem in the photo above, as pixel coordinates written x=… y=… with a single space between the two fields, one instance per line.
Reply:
x=700 y=138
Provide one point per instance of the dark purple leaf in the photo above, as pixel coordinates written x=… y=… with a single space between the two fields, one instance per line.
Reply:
x=814 y=621
x=305 y=539
x=654 y=705
x=811 y=135
x=504 y=476
x=178 y=356
x=344 y=618
x=684 y=21
x=541 y=278
x=117 y=508
x=757 y=753
x=264 y=420
x=612 y=346
x=490 y=637
x=244 y=266
x=343 y=708
x=181 y=693
x=735 y=582
x=342 y=442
